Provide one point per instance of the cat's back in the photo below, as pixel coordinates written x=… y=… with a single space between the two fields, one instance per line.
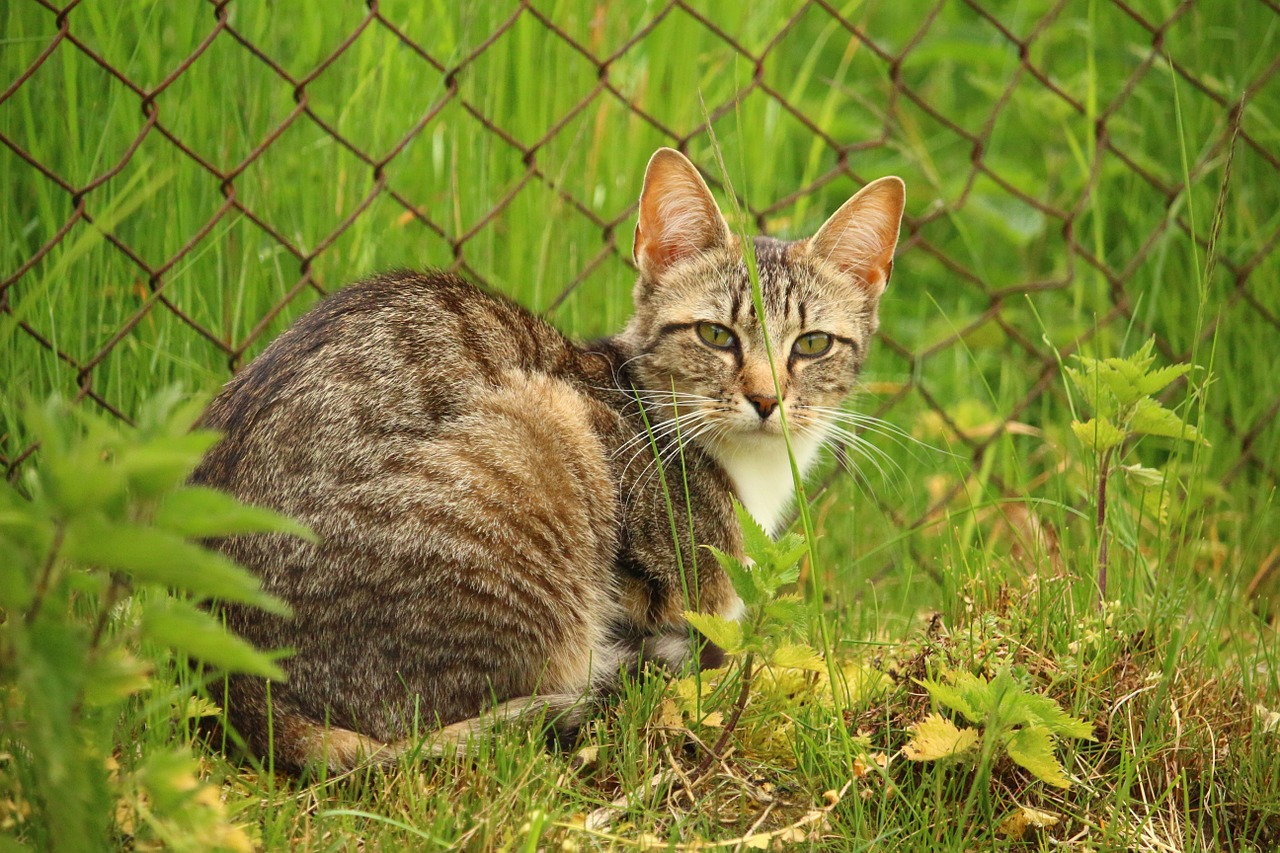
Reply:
x=368 y=372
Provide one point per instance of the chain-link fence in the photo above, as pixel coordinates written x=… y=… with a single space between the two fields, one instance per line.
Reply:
x=1081 y=176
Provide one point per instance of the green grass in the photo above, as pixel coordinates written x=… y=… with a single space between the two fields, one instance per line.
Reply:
x=989 y=527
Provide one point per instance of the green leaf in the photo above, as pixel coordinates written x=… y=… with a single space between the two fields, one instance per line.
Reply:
x=1142 y=477
x=1039 y=710
x=160 y=464
x=746 y=582
x=157 y=556
x=115 y=676
x=1032 y=748
x=955 y=699
x=1101 y=400
x=797 y=656
x=936 y=737
x=755 y=541
x=177 y=624
x=787 y=560
x=1151 y=418
x=725 y=633
x=787 y=612
x=1098 y=433
x=1155 y=381
x=197 y=511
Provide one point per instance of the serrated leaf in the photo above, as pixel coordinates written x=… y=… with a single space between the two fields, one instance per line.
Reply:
x=1100 y=400
x=756 y=543
x=1142 y=477
x=201 y=512
x=158 y=556
x=787 y=612
x=1032 y=748
x=160 y=464
x=1023 y=818
x=953 y=698
x=725 y=633
x=798 y=656
x=746 y=582
x=197 y=707
x=936 y=737
x=1039 y=710
x=1098 y=433
x=1151 y=418
x=115 y=675
x=180 y=625
x=1155 y=381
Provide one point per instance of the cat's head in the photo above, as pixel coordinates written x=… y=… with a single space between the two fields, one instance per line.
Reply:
x=696 y=336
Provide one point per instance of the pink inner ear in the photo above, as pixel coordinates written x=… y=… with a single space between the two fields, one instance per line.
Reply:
x=860 y=237
x=678 y=216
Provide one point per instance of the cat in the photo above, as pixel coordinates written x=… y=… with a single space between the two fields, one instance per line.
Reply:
x=495 y=503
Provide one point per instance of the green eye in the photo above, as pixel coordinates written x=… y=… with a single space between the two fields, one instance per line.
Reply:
x=713 y=334
x=812 y=344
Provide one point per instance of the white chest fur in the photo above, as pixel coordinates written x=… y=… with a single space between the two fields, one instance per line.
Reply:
x=760 y=471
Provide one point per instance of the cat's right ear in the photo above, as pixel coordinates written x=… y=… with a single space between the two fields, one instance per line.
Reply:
x=678 y=216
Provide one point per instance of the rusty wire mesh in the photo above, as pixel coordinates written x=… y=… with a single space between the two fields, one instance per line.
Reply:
x=895 y=91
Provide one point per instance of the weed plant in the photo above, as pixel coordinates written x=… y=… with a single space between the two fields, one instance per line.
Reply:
x=948 y=584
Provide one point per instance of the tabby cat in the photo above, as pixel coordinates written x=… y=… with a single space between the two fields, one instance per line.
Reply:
x=494 y=502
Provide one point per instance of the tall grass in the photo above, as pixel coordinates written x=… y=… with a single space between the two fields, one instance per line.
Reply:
x=987 y=523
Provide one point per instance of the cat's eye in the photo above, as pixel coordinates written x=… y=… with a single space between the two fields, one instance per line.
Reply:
x=812 y=344
x=715 y=335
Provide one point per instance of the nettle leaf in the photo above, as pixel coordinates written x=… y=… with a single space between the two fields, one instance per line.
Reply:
x=158 y=556
x=197 y=511
x=1039 y=710
x=790 y=550
x=746 y=581
x=1032 y=748
x=114 y=676
x=1155 y=381
x=725 y=633
x=936 y=737
x=1015 y=826
x=797 y=656
x=1142 y=477
x=1151 y=418
x=1099 y=398
x=181 y=625
x=1098 y=433
x=954 y=698
x=755 y=541
x=162 y=463
x=788 y=612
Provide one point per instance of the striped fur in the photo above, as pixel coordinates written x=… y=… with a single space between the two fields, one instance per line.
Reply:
x=495 y=532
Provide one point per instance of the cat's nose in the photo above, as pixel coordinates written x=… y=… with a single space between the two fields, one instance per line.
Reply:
x=764 y=404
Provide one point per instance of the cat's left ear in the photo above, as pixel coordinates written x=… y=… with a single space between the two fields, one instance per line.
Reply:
x=859 y=239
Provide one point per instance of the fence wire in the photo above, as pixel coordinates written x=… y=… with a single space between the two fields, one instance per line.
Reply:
x=1238 y=260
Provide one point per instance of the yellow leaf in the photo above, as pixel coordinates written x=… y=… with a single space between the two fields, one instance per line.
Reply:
x=797 y=656
x=668 y=715
x=1267 y=720
x=937 y=737
x=723 y=632
x=1018 y=822
x=1098 y=433
x=714 y=720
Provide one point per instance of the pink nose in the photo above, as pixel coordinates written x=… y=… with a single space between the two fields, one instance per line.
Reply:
x=764 y=404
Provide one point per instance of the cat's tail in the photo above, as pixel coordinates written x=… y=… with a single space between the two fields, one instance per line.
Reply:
x=302 y=742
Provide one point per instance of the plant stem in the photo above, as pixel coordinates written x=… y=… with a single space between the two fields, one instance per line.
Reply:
x=45 y=579
x=1104 y=469
x=732 y=723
